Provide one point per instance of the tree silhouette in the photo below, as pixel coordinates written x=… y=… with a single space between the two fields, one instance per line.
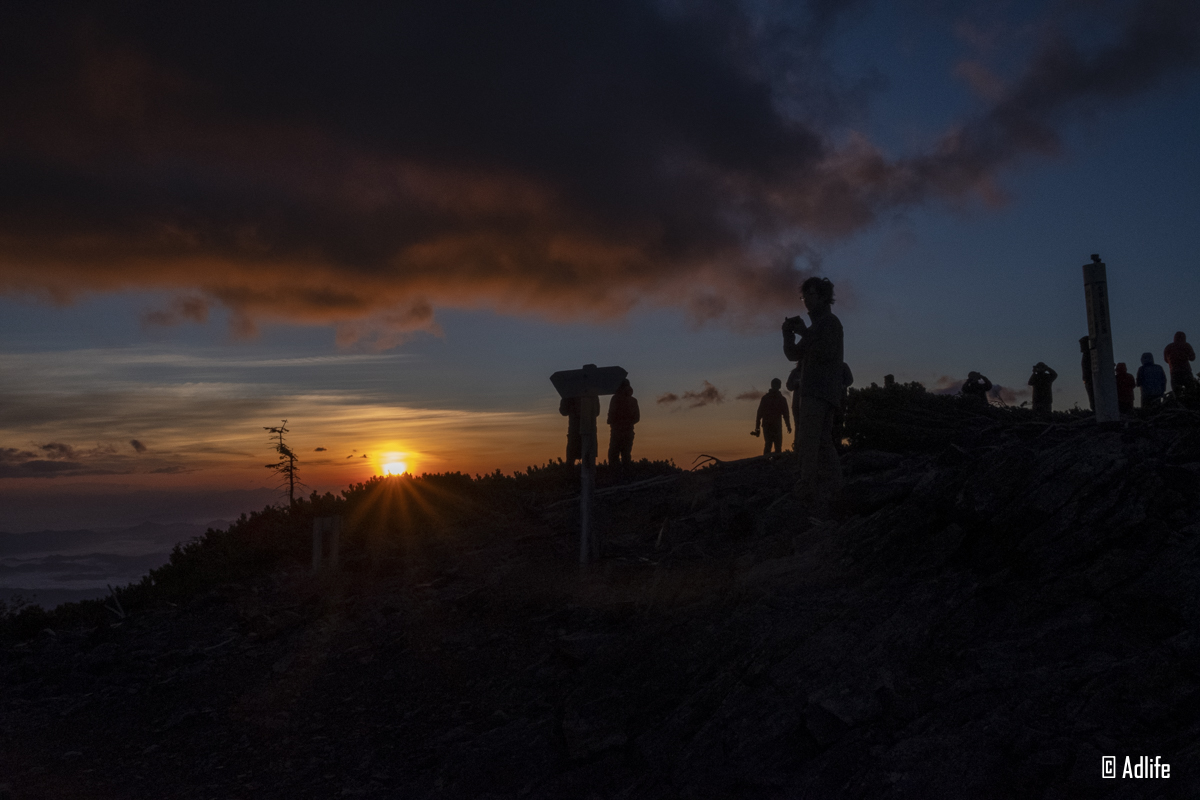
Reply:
x=285 y=467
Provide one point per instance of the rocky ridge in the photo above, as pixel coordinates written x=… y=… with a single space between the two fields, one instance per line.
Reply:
x=987 y=618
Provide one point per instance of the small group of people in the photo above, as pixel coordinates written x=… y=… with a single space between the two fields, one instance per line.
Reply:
x=1150 y=377
x=773 y=412
x=1041 y=381
x=818 y=385
x=623 y=414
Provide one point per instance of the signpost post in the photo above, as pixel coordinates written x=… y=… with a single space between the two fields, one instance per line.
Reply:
x=588 y=384
x=326 y=532
x=1104 y=380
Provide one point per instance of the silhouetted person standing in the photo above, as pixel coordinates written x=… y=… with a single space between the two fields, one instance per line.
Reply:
x=975 y=389
x=1179 y=355
x=1085 y=347
x=1042 y=380
x=623 y=414
x=772 y=416
x=819 y=356
x=1152 y=381
x=569 y=408
x=1125 y=384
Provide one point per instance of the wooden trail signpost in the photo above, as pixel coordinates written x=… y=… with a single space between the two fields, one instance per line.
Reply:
x=588 y=384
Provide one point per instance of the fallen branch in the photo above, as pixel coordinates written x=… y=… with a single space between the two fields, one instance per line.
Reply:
x=625 y=487
x=119 y=610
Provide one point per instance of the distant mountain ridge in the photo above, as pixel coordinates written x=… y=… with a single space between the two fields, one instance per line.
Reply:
x=150 y=534
x=54 y=567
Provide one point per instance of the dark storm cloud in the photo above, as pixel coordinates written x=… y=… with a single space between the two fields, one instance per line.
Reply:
x=362 y=164
x=1158 y=37
x=136 y=445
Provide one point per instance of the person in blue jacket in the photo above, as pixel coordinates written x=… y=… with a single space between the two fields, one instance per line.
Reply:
x=1152 y=380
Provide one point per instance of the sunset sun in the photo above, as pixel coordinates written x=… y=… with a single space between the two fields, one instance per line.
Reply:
x=395 y=468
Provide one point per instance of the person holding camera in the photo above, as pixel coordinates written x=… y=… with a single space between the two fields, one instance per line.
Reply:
x=771 y=417
x=819 y=357
x=1043 y=395
x=975 y=389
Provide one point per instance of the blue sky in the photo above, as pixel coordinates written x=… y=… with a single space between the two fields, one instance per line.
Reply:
x=950 y=279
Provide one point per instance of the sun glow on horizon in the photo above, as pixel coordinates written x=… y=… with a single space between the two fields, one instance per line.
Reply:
x=394 y=468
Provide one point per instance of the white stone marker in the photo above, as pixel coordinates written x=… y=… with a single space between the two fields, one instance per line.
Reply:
x=1104 y=379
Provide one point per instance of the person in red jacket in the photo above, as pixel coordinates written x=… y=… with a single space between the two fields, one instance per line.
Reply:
x=1179 y=355
x=623 y=414
x=772 y=415
x=1125 y=384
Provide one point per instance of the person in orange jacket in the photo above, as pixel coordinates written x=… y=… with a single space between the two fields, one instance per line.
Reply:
x=623 y=414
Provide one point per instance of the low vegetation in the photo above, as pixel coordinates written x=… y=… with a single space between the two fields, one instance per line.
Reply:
x=378 y=514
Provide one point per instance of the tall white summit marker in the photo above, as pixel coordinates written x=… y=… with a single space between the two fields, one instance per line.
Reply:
x=1104 y=379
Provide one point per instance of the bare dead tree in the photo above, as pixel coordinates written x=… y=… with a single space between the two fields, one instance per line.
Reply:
x=285 y=467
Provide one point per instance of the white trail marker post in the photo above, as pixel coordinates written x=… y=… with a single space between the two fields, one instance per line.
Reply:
x=588 y=384
x=1104 y=378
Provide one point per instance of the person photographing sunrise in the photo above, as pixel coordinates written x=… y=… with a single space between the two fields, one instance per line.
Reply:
x=819 y=357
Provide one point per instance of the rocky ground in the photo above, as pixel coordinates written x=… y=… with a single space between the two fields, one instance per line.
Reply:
x=985 y=620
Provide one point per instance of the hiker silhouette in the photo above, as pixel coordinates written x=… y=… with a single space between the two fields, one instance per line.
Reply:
x=1085 y=364
x=974 y=390
x=1152 y=381
x=569 y=408
x=623 y=414
x=1043 y=395
x=1179 y=355
x=771 y=417
x=1125 y=384
x=819 y=357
